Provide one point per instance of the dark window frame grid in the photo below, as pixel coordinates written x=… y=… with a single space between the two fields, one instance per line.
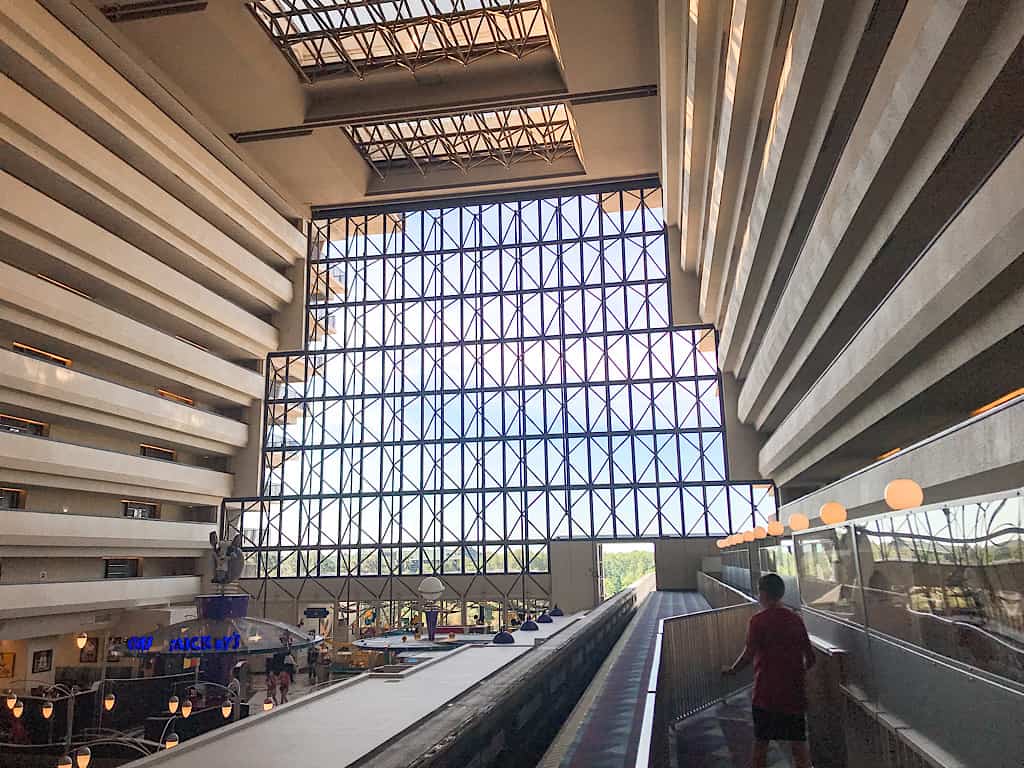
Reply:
x=303 y=529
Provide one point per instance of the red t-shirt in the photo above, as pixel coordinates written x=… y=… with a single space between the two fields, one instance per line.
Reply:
x=777 y=639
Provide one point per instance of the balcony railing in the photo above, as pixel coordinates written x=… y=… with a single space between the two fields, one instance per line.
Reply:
x=27 y=529
x=47 y=598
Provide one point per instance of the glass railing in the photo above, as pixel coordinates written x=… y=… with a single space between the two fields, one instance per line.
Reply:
x=947 y=578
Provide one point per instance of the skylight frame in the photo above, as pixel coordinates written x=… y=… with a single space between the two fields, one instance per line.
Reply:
x=505 y=137
x=324 y=37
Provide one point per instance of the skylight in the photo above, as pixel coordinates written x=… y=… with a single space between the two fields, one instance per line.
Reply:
x=357 y=36
x=466 y=140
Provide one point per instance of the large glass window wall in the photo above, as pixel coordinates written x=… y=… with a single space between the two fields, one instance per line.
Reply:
x=483 y=378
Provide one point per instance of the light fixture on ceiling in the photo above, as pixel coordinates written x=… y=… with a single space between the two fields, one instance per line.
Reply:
x=81 y=639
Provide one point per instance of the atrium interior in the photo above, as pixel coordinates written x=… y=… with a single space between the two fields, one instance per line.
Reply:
x=432 y=382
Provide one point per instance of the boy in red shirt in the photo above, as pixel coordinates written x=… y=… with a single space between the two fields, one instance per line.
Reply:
x=778 y=644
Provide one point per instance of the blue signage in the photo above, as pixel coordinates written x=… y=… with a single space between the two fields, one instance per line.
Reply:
x=139 y=643
x=194 y=643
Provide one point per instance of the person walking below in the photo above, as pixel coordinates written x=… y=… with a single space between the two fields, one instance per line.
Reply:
x=271 y=680
x=312 y=657
x=286 y=675
x=778 y=646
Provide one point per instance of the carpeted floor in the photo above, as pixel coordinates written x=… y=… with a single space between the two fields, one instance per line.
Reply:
x=720 y=737
x=609 y=735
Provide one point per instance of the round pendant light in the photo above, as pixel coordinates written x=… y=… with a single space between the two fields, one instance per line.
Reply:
x=832 y=513
x=903 y=494
x=799 y=522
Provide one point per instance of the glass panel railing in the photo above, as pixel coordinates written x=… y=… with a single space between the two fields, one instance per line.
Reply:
x=828 y=573
x=736 y=569
x=950 y=579
x=780 y=558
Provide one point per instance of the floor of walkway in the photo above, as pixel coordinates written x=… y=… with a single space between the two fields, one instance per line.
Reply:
x=720 y=737
x=609 y=733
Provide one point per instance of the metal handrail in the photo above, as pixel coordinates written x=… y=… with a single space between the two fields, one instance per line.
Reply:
x=689 y=653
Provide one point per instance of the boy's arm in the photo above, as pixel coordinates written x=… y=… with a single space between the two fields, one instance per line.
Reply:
x=747 y=656
x=810 y=659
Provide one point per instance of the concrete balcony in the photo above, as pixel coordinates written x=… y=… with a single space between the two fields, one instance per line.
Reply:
x=44 y=388
x=45 y=52
x=52 y=313
x=48 y=237
x=49 y=534
x=19 y=601
x=42 y=147
x=978 y=456
x=35 y=461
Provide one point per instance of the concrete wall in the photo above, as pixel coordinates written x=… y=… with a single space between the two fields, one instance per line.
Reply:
x=677 y=561
x=511 y=719
x=574 y=586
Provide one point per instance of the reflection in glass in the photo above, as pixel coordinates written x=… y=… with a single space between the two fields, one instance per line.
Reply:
x=828 y=573
x=736 y=569
x=781 y=559
x=951 y=580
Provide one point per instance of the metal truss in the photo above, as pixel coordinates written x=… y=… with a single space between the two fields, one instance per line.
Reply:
x=466 y=140
x=482 y=379
x=323 y=37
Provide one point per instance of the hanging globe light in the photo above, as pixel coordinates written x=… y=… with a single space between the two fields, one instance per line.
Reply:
x=47 y=709
x=18 y=708
x=225 y=709
x=172 y=704
x=108 y=701
x=80 y=640
x=760 y=532
x=775 y=528
x=186 y=708
x=83 y=757
x=749 y=536
x=903 y=494
x=799 y=522
x=722 y=543
x=64 y=762
x=10 y=699
x=832 y=513
x=171 y=740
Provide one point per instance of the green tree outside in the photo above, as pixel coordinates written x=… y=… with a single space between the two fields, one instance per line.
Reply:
x=623 y=568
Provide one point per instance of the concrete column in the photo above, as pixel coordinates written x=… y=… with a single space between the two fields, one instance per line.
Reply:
x=574 y=570
x=676 y=561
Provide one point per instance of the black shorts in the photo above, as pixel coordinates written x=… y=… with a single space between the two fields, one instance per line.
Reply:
x=778 y=726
